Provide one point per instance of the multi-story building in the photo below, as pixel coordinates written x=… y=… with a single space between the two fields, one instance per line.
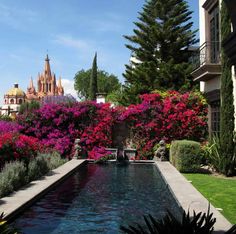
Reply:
x=207 y=66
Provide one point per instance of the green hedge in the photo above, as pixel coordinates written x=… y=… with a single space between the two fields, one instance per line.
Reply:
x=186 y=155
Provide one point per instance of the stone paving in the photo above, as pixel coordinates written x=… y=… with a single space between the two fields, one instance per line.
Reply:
x=188 y=197
x=17 y=201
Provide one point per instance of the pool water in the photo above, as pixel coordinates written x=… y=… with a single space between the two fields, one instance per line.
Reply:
x=98 y=199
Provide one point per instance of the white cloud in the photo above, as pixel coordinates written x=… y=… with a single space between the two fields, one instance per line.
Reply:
x=72 y=42
x=69 y=87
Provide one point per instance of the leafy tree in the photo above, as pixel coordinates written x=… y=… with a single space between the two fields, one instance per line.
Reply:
x=107 y=83
x=93 y=86
x=227 y=144
x=160 y=48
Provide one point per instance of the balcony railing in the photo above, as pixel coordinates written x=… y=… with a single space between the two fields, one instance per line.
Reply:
x=208 y=53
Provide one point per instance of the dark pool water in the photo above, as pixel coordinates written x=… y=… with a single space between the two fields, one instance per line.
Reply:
x=98 y=199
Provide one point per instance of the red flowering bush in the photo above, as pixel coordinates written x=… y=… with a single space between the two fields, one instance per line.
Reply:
x=169 y=116
x=17 y=146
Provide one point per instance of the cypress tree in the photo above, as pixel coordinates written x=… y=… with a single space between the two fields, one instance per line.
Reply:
x=159 y=48
x=93 y=87
x=227 y=105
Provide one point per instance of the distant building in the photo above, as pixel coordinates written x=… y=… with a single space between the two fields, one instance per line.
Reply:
x=12 y=100
x=46 y=84
x=101 y=98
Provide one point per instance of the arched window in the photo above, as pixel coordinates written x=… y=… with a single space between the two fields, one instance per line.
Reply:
x=5 y=101
x=20 y=101
x=12 y=101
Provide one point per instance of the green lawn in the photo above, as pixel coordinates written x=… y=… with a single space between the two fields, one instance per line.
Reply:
x=221 y=192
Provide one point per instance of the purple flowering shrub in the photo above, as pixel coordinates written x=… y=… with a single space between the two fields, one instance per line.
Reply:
x=58 y=125
x=6 y=126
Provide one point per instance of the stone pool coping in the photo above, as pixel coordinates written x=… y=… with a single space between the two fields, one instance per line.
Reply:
x=188 y=197
x=16 y=202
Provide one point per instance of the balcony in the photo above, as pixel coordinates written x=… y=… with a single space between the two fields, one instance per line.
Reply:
x=206 y=62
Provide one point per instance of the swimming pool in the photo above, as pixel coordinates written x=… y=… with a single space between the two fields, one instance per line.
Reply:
x=98 y=199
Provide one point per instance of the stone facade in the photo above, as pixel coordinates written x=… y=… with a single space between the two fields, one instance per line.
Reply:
x=46 y=84
x=12 y=100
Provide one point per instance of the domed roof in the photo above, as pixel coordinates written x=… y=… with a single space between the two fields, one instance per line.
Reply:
x=16 y=91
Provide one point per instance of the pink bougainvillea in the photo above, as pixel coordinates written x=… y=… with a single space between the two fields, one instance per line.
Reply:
x=58 y=125
x=167 y=116
x=6 y=126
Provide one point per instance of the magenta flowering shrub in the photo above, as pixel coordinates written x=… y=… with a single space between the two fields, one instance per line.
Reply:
x=6 y=126
x=167 y=116
x=97 y=153
x=58 y=125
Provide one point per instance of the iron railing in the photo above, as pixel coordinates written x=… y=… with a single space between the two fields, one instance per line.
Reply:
x=208 y=53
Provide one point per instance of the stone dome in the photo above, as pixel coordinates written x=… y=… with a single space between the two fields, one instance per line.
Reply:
x=16 y=91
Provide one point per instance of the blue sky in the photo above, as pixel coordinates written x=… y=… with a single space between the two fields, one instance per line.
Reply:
x=70 y=31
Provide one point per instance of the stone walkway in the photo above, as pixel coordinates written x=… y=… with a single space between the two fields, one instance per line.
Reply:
x=188 y=197
x=17 y=201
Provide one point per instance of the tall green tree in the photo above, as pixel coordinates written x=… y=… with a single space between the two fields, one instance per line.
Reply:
x=107 y=83
x=227 y=144
x=160 y=48
x=93 y=86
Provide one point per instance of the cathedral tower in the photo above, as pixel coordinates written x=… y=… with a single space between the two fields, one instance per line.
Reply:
x=46 y=84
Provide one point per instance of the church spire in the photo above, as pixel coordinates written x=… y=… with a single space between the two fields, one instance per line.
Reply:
x=47 y=69
x=59 y=83
x=31 y=85
x=60 y=87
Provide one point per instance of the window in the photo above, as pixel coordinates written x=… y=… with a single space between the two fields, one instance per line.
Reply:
x=12 y=101
x=214 y=34
x=215 y=117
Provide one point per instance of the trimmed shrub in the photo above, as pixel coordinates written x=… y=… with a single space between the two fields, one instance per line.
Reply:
x=37 y=168
x=186 y=155
x=13 y=176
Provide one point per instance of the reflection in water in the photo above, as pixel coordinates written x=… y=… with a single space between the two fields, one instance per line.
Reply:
x=98 y=199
